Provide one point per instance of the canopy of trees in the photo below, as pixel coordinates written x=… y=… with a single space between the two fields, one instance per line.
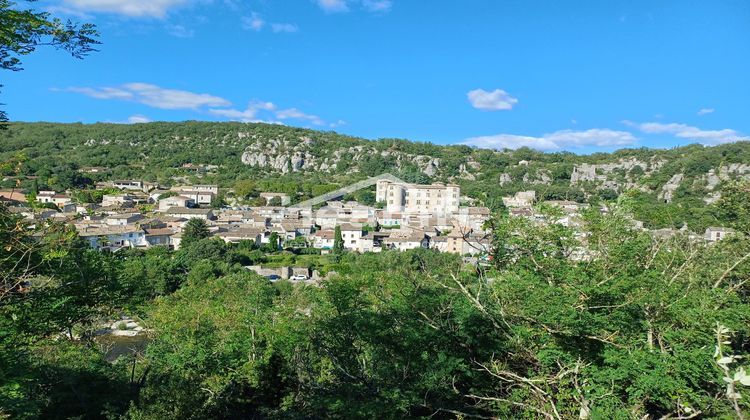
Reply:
x=638 y=327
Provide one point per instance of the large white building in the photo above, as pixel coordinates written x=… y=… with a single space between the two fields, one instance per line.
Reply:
x=435 y=199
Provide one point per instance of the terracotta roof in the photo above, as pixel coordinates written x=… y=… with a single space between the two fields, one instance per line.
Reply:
x=159 y=232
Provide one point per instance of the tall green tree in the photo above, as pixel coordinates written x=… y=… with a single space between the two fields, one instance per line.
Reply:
x=195 y=230
x=338 y=241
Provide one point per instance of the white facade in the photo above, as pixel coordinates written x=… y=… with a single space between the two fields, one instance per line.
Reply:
x=351 y=236
x=176 y=201
x=436 y=199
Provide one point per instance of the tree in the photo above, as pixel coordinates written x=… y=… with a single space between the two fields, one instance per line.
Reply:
x=195 y=230
x=275 y=201
x=243 y=188
x=218 y=201
x=338 y=241
x=273 y=242
x=215 y=354
x=734 y=206
x=23 y=31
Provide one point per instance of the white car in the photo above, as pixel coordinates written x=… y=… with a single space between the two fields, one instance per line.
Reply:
x=298 y=277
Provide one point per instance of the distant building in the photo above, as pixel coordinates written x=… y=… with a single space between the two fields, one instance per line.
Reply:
x=123 y=219
x=12 y=196
x=436 y=199
x=714 y=234
x=112 y=237
x=185 y=213
x=118 y=200
x=351 y=235
x=406 y=239
x=128 y=184
x=52 y=197
x=176 y=201
x=323 y=239
x=201 y=194
x=241 y=234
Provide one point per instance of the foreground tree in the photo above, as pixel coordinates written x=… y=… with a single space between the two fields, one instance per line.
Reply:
x=25 y=30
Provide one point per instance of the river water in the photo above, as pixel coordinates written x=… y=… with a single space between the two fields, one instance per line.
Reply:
x=115 y=346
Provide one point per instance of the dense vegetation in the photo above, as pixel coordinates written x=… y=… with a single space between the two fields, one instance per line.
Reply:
x=645 y=328
x=55 y=153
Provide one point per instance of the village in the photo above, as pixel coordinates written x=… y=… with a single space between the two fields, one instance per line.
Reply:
x=407 y=216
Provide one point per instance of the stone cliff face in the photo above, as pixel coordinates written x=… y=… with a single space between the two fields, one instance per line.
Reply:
x=304 y=155
x=285 y=156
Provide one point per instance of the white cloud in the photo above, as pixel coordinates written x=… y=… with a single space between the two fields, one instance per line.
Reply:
x=258 y=111
x=704 y=111
x=284 y=27
x=296 y=114
x=685 y=131
x=339 y=6
x=256 y=23
x=138 y=119
x=132 y=8
x=153 y=96
x=377 y=5
x=558 y=140
x=250 y=114
x=333 y=6
x=497 y=100
x=253 y=22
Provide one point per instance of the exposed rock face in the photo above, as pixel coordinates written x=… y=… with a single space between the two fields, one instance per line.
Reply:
x=667 y=191
x=505 y=178
x=542 y=177
x=295 y=156
x=583 y=172
x=598 y=173
x=725 y=173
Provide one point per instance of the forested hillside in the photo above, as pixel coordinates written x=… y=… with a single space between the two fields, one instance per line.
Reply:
x=670 y=187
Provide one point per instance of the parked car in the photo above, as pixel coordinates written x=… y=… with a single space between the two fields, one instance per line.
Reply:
x=298 y=277
x=273 y=277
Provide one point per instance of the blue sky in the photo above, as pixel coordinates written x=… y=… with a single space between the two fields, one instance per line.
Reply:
x=582 y=76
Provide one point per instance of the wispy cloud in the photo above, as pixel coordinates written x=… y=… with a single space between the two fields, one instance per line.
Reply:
x=377 y=5
x=132 y=8
x=138 y=119
x=153 y=96
x=259 y=111
x=704 y=111
x=333 y=6
x=253 y=22
x=685 y=131
x=496 y=100
x=296 y=114
x=559 y=140
x=340 y=6
x=284 y=27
